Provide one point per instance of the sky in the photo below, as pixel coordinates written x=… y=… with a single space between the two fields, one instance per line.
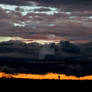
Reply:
x=44 y=20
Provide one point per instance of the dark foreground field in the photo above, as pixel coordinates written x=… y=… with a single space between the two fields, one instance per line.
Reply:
x=19 y=79
x=64 y=84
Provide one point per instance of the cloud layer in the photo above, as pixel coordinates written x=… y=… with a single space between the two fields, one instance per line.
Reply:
x=64 y=57
x=36 y=20
x=63 y=50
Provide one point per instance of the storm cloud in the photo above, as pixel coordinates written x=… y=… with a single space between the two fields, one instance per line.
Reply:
x=64 y=57
x=63 y=50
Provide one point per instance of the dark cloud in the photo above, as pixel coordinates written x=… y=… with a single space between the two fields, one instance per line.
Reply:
x=20 y=2
x=65 y=57
x=65 y=1
x=14 y=2
x=65 y=49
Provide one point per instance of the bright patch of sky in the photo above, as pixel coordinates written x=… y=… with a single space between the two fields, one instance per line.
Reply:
x=51 y=25
x=21 y=24
x=85 y=18
x=72 y=17
x=8 y=38
x=90 y=17
x=67 y=13
x=24 y=10
x=2 y=38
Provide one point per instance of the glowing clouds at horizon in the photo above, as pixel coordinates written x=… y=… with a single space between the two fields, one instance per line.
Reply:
x=4 y=38
x=48 y=76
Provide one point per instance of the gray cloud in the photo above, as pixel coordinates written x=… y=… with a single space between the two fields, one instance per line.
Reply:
x=65 y=57
x=72 y=22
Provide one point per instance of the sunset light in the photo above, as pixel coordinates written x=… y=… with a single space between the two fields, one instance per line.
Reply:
x=49 y=76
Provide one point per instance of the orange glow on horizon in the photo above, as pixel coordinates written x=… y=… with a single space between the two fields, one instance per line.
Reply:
x=46 y=76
